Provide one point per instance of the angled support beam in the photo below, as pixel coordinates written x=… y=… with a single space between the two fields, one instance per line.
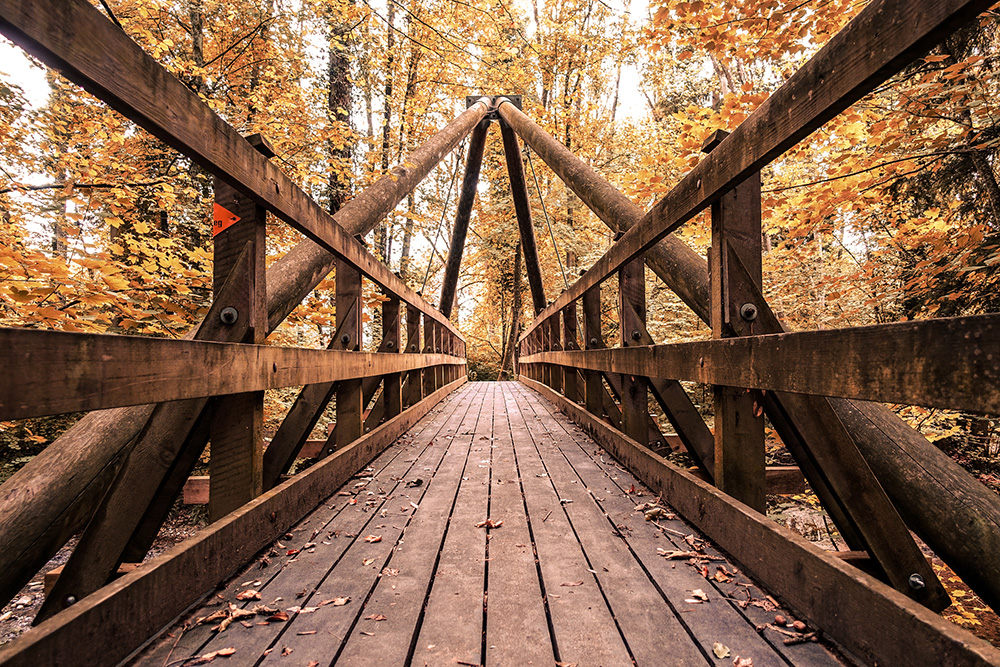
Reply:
x=470 y=182
x=519 y=193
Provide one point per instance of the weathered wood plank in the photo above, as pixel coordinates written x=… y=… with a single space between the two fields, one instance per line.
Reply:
x=632 y=308
x=185 y=573
x=946 y=363
x=58 y=371
x=848 y=605
x=517 y=631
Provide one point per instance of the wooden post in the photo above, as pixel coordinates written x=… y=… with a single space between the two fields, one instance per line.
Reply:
x=236 y=430
x=391 y=388
x=593 y=340
x=430 y=333
x=739 y=422
x=412 y=388
x=545 y=344
x=570 y=386
x=632 y=305
x=555 y=344
x=350 y=408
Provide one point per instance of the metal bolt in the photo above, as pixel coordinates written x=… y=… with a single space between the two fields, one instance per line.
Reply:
x=636 y=335
x=390 y=345
x=748 y=312
x=70 y=600
x=917 y=582
x=593 y=342
x=345 y=339
x=229 y=315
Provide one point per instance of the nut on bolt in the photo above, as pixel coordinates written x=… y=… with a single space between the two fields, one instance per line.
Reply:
x=748 y=312
x=636 y=335
x=345 y=339
x=229 y=315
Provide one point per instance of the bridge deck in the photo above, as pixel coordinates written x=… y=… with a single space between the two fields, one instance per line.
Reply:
x=397 y=568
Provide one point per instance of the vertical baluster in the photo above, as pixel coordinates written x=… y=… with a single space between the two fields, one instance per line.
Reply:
x=350 y=408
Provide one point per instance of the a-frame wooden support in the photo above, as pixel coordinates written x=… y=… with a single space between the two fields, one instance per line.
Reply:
x=470 y=182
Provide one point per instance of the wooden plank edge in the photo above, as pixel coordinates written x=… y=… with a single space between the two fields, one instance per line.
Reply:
x=131 y=610
x=853 y=608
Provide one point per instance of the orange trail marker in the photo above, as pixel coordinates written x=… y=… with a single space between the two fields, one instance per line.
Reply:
x=222 y=219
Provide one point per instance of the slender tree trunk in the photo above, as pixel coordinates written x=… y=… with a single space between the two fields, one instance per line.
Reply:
x=507 y=362
x=383 y=229
x=338 y=109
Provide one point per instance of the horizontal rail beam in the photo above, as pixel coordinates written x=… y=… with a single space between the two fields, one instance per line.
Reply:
x=943 y=363
x=52 y=372
x=881 y=40
x=138 y=605
x=73 y=37
x=845 y=603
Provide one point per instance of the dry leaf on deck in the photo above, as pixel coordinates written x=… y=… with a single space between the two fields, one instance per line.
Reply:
x=572 y=583
x=720 y=651
x=373 y=538
x=489 y=523
x=375 y=617
x=336 y=602
x=249 y=594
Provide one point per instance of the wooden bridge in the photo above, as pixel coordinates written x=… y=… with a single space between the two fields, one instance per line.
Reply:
x=527 y=522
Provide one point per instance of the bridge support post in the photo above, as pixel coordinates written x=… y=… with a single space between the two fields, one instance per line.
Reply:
x=739 y=413
x=430 y=336
x=570 y=342
x=236 y=430
x=392 y=387
x=593 y=340
x=350 y=408
x=632 y=306
x=412 y=385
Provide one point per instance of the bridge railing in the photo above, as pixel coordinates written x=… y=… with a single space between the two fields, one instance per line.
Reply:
x=156 y=403
x=859 y=458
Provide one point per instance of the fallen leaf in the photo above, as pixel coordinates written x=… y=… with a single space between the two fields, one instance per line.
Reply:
x=336 y=602
x=742 y=662
x=313 y=663
x=249 y=594
x=306 y=632
x=373 y=538
x=390 y=571
x=674 y=554
x=375 y=617
x=697 y=596
x=292 y=552
x=720 y=651
x=572 y=583
x=489 y=523
x=280 y=616
x=286 y=651
x=368 y=561
x=264 y=610
x=368 y=634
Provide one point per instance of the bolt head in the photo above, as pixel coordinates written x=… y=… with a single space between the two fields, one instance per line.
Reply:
x=748 y=312
x=917 y=582
x=593 y=342
x=70 y=600
x=390 y=345
x=345 y=339
x=636 y=335
x=229 y=315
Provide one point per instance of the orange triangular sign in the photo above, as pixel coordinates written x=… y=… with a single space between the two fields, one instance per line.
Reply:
x=222 y=219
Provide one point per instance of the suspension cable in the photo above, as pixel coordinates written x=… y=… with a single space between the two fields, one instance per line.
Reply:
x=555 y=246
x=444 y=214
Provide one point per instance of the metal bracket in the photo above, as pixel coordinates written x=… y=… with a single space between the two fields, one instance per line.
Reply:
x=494 y=99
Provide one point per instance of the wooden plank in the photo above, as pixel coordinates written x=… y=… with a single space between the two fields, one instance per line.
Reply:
x=430 y=341
x=904 y=362
x=739 y=413
x=76 y=39
x=619 y=493
x=349 y=566
x=652 y=630
x=439 y=560
x=517 y=632
x=718 y=620
x=881 y=40
x=182 y=575
x=71 y=372
x=333 y=528
x=848 y=605
x=583 y=627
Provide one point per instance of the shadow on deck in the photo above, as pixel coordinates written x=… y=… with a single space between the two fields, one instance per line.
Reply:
x=397 y=567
